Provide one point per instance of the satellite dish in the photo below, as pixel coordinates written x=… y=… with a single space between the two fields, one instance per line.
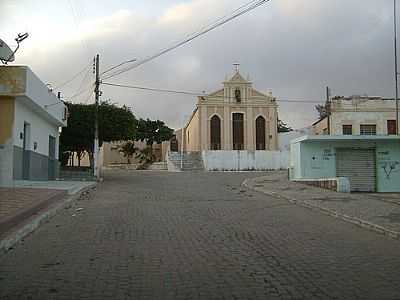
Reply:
x=6 y=54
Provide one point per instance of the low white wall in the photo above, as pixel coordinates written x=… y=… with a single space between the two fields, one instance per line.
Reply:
x=245 y=160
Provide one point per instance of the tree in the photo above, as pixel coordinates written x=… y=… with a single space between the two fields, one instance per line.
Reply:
x=283 y=127
x=115 y=124
x=322 y=111
x=153 y=131
x=128 y=149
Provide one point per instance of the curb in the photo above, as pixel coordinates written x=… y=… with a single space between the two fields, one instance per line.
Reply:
x=353 y=220
x=35 y=221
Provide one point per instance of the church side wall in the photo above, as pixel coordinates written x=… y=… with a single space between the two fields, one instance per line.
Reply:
x=192 y=134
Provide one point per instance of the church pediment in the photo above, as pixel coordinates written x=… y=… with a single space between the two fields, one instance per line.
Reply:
x=256 y=93
x=237 y=78
x=217 y=93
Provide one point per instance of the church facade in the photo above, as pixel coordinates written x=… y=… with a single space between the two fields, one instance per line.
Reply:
x=236 y=117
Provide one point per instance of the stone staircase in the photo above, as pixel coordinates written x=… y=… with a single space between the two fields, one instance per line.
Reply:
x=191 y=161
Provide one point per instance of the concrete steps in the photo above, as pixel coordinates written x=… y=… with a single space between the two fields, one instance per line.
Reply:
x=191 y=161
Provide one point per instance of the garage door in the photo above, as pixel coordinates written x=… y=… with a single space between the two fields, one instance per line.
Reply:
x=359 y=166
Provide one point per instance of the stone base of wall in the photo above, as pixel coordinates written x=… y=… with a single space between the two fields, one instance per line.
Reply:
x=339 y=184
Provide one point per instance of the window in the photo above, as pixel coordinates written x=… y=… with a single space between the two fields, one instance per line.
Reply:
x=391 y=126
x=260 y=133
x=215 y=136
x=367 y=129
x=347 y=129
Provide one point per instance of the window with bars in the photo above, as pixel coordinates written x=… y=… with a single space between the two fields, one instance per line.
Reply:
x=347 y=129
x=368 y=129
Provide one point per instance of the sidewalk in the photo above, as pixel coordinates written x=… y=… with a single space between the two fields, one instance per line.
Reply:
x=28 y=204
x=378 y=212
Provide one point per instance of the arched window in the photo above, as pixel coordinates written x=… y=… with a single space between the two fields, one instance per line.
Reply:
x=215 y=136
x=260 y=133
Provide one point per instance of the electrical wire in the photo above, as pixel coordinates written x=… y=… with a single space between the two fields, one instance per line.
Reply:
x=203 y=94
x=81 y=92
x=152 y=89
x=72 y=78
x=236 y=13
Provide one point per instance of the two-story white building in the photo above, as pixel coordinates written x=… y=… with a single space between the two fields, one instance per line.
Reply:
x=358 y=115
x=30 y=120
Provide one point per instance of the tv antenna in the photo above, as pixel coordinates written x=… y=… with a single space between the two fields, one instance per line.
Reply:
x=6 y=54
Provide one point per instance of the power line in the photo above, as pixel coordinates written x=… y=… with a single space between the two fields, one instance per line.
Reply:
x=236 y=13
x=114 y=67
x=72 y=78
x=81 y=92
x=199 y=94
x=152 y=89
x=76 y=16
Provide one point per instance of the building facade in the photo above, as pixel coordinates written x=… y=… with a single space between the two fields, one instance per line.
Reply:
x=236 y=117
x=370 y=163
x=358 y=115
x=30 y=120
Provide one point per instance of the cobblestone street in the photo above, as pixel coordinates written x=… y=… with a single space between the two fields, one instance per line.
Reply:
x=159 y=235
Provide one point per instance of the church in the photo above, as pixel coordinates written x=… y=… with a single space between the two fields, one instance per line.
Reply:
x=236 y=117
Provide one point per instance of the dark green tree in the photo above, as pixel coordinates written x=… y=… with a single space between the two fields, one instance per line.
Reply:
x=153 y=131
x=115 y=124
x=128 y=149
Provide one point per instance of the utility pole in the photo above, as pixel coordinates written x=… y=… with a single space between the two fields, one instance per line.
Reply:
x=396 y=73
x=328 y=109
x=96 y=119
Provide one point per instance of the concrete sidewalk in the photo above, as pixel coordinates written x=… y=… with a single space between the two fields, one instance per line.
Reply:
x=28 y=204
x=378 y=212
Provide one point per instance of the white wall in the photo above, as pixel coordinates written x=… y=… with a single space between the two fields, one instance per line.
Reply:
x=357 y=118
x=40 y=129
x=285 y=138
x=245 y=160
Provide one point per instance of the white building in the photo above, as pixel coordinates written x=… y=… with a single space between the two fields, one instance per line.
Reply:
x=30 y=119
x=359 y=115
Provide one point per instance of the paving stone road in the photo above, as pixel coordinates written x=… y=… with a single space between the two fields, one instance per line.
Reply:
x=150 y=235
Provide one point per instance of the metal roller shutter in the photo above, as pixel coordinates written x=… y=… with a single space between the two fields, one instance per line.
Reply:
x=359 y=166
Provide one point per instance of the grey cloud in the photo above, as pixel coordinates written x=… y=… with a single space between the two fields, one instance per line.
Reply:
x=346 y=44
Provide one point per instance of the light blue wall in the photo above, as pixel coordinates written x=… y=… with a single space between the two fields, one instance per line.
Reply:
x=388 y=167
x=317 y=159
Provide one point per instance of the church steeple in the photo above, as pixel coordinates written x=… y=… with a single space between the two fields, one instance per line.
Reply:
x=237 y=88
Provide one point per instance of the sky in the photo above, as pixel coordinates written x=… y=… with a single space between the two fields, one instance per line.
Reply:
x=294 y=48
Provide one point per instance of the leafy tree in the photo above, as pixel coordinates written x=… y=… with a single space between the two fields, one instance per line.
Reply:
x=153 y=131
x=146 y=157
x=283 y=127
x=115 y=124
x=128 y=149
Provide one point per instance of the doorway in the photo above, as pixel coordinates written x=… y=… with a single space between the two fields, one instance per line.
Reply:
x=238 y=131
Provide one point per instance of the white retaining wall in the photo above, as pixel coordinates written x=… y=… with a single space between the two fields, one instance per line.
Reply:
x=245 y=160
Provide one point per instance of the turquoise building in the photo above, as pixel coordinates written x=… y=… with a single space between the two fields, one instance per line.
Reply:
x=371 y=163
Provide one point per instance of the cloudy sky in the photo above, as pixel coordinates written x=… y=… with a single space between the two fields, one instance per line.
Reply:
x=293 y=47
